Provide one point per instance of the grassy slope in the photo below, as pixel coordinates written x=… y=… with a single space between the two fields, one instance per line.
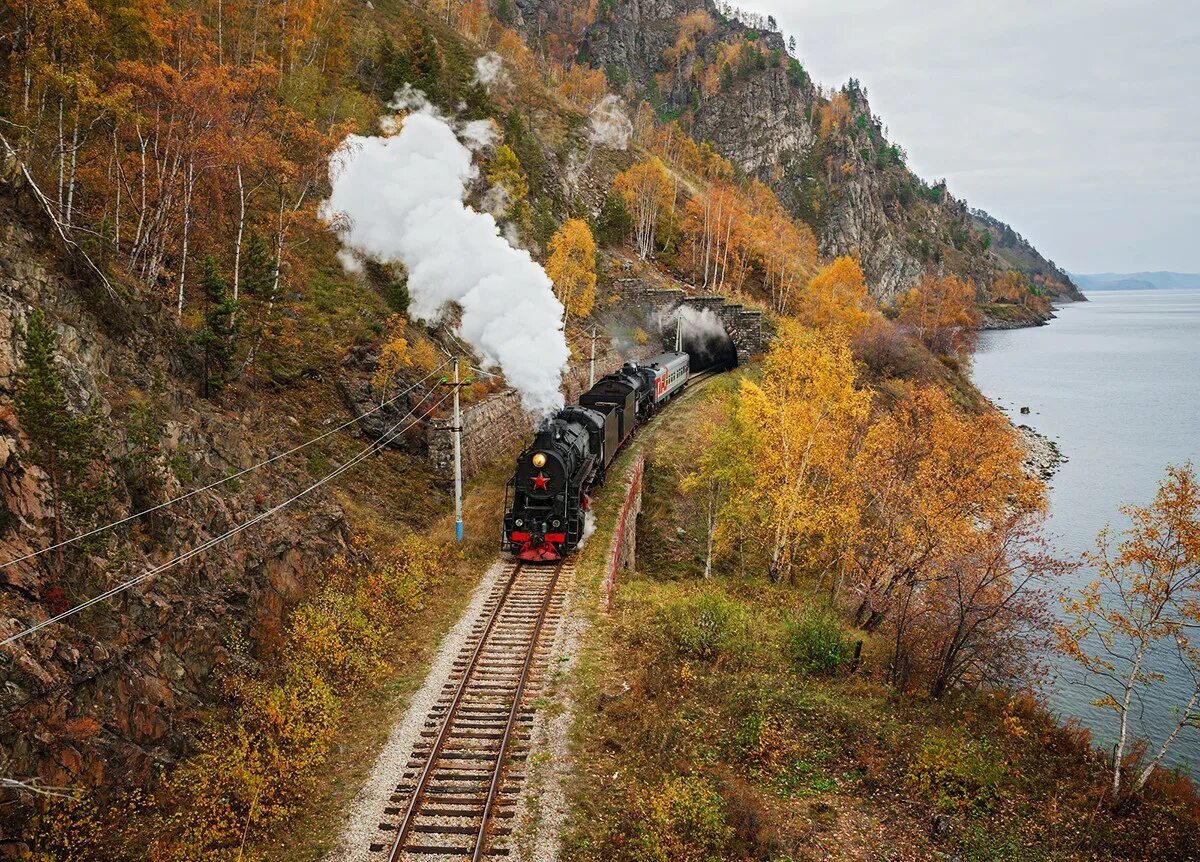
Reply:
x=730 y=752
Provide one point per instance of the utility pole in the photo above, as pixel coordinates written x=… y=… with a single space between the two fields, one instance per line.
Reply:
x=592 y=362
x=679 y=332
x=456 y=429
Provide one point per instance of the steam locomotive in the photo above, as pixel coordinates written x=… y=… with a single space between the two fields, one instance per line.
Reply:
x=547 y=499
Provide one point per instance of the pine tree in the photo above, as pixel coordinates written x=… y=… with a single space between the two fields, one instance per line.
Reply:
x=65 y=445
x=258 y=267
x=218 y=337
x=615 y=222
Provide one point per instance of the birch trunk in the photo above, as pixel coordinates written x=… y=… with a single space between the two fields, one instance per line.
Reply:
x=237 y=245
x=187 y=223
x=71 y=174
x=62 y=157
x=1122 y=737
x=1184 y=717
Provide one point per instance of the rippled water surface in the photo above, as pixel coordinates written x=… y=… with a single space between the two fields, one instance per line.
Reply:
x=1116 y=383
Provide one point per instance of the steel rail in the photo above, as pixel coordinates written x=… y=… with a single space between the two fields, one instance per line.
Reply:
x=498 y=773
x=435 y=751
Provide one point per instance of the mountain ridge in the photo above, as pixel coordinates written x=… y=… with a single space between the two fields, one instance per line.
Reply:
x=1147 y=280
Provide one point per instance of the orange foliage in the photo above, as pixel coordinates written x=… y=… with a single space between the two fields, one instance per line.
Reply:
x=584 y=86
x=834 y=115
x=649 y=193
x=512 y=48
x=942 y=314
x=1145 y=602
x=717 y=222
x=174 y=142
x=948 y=550
x=730 y=230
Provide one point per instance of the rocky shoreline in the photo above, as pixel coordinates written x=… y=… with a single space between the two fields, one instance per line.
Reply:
x=991 y=322
x=1042 y=455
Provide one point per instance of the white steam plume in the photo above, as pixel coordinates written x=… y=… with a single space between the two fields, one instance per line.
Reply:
x=400 y=199
x=489 y=70
x=608 y=126
x=700 y=326
x=589 y=527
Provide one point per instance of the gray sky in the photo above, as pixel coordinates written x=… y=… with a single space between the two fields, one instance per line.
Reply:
x=1076 y=121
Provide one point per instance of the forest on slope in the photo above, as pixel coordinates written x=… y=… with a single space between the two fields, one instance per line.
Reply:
x=729 y=78
x=175 y=297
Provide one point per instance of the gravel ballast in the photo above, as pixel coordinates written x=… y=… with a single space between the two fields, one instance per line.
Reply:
x=366 y=812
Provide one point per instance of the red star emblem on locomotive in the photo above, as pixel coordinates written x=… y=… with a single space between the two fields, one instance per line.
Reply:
x=540 y=481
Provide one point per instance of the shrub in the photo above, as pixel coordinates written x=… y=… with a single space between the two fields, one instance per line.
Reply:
x=706 y=627
x=680 y=820
x=957 y=773
x=258 y=761
x=814 y=642
x=887 y=352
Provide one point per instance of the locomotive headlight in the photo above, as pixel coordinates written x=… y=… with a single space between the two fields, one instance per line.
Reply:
x=556 y=522
x=519 y=522
x=539 y=460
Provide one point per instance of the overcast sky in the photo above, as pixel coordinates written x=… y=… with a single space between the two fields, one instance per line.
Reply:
x=1076 y=121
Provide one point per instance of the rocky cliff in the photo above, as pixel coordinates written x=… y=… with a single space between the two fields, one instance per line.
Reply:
x=105 y=696
x=825 y=154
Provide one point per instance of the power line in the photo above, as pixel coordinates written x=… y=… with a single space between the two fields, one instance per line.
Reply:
x=383 y=440
x=229 y=478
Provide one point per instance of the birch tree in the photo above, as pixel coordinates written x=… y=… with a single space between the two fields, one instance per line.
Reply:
x=1133 y=628
x=648 y=193
x=794 y=436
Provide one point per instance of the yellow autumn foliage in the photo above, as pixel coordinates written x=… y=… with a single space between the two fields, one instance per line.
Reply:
x=572 y=267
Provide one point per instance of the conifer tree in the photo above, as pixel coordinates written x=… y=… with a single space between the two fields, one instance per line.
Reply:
x=64 y=444
x=258 y=267
x=615 y=222
x=218 y=337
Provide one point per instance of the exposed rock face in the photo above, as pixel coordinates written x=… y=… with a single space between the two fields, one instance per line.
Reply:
x=101 y=698
x=850 y=184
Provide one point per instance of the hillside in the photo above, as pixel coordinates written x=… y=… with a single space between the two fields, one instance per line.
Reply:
x=1018 y=253
x=242 y=244
x=825 y=154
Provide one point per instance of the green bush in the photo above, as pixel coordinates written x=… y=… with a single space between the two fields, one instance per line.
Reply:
x=705 y=627
x=680 y=820
x=814 y=642
x=957 y=773
x=615 y=222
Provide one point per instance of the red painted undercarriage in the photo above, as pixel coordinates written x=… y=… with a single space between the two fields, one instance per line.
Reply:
x=546 y=551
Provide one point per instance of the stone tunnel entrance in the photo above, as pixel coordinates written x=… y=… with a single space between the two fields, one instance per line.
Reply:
x=702 y=335
x=739 y=332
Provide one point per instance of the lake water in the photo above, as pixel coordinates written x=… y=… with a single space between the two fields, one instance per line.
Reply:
x=1116 y=383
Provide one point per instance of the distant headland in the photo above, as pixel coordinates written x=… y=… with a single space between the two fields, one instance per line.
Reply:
x=1137 y=281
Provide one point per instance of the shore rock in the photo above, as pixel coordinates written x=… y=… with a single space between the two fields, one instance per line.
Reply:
x=1043 y=457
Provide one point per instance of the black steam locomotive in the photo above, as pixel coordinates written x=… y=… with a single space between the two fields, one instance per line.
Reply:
x=547 y=498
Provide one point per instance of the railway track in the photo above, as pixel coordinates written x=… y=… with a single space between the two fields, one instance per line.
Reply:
x=457 y=797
